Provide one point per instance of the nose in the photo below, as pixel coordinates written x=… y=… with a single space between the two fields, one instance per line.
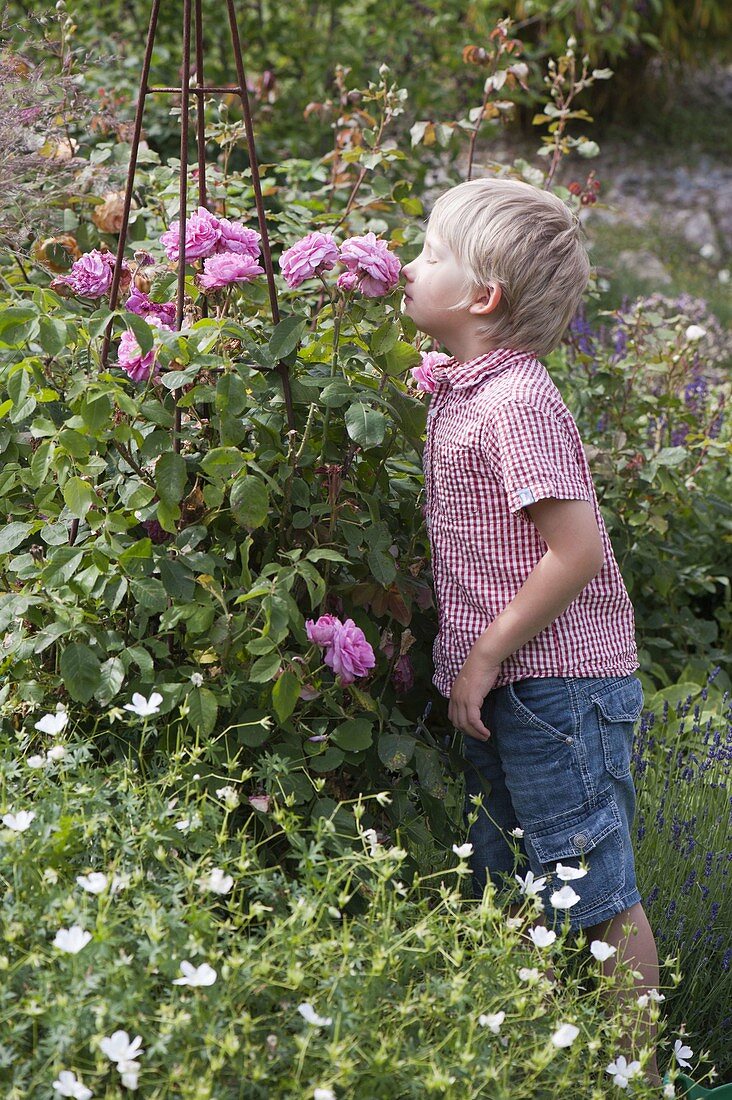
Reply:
x=407 y=270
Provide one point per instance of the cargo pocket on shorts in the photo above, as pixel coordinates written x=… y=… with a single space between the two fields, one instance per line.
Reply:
x=595 y=833
x=618 y=709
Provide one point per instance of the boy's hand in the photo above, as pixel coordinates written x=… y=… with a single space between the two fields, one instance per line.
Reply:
x=471 y=685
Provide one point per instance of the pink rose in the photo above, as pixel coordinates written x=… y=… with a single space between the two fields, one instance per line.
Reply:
x=91 y=275
x=322 y=631
x=377 y=268
x=238 y=238
x=203 y=233
x=314 y=254
x=129 y=356
x=226 y=268
x=260 y=802
x=140 y=304
x=423 y=374
x=347 y=281
x=349 y=654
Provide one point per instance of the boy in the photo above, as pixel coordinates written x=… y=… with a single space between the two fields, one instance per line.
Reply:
x=536 y=645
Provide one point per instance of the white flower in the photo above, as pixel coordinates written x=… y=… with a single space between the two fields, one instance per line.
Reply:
x=229 y=796
x=68 y=1085
x=723 y=276
x=492 y=1021
x=369 y=835
x=119 y=882
x=94 y=883
x=260 y=802
x=197 y=679
x=565 y=1035
x=195 y=975
x=514 y=923
x=518 y=833
x=308 y=1013
x=462 y=851
x=188 y=823
x=528 y=974
x=642 y=1001
x=400 y=887
x=130 y=1072
x=707 y=251
x=50 y=876
x=143 y=707
x=621 y=1071
x=695 y=332
x=569 y=874
x=324 y=1094
x=530 y=886
x=57 y=752
x=656 y=996
x=19 y=822
x=217 y=882
x=669 y=1092
x=564 y=898
x=118 y=1047
x=541 y=936
x=602 y=950
x=52 y=723
x=71 y=940
x=36 y=761
x=682 y=1053
x=383 y=799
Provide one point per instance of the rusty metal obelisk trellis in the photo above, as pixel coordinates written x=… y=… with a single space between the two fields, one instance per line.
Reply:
x=199 y=89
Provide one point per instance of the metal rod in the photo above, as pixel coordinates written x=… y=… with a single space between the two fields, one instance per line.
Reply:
x=231 y=89
x=200 y=125
x=183 y=199
x=254 y=167
x=122 y=240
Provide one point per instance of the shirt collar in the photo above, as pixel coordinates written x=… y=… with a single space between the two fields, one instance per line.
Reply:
x=458 y=376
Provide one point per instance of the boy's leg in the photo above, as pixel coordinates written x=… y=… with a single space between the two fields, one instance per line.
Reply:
x=630 y=933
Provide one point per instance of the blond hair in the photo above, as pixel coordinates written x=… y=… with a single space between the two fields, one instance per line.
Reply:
x=530 y=243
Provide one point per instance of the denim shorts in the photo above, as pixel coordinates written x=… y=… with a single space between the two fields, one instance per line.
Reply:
x=557 y=765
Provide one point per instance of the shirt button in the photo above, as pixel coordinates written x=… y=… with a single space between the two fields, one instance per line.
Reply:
x=580 y=840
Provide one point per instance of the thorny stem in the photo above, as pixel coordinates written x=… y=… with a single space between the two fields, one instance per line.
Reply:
x=563 y=105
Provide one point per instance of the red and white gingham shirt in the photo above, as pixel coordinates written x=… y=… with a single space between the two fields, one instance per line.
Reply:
x=499 y=437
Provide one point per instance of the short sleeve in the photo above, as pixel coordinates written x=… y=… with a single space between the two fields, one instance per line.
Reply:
x=533 y=454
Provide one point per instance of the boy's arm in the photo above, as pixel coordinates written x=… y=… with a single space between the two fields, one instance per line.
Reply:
x=574 y=556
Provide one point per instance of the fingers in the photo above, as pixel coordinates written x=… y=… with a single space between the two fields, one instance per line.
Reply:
x=468 y=721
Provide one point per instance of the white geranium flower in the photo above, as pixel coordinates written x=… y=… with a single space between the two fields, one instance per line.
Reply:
x=462 y=851
x=601 y=950
x=564 y=898
x=197 y=679
x=621 y=1071
x=52 y=723
x=50 y=876
x=514 y=923
x=682 y=1053
x=656 y=996
x=541 y=936
x=565 y=1035
x=195 y=975
x=369 y=835
x=400 y=887
x=569 y=874
x=72 y=940
x=56 y=752
x=529 y=885
x=119 y=882
x=528 y=974
x=188 y=823
x=118 y=1047
x=669 y=1092
x=143 y=707
x=324 y=1094
x=723 y=276
x=19 y=822
x=492 y=1021
x=67 y=1084
x=695 y=332
x=130 y=1072
x=308 y=1013
x=517 y=832
x=707 y=250
x=216 y=881
x=94 y=883
x=383 y=798
x=36 y=761
x=229 y=796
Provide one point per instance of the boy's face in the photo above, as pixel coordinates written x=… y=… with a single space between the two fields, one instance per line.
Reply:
x=435 y=281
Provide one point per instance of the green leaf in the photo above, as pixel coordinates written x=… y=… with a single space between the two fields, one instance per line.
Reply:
x=143 y=332
x=249 y=501
x=51 y=335
x=11 y=536
x=365 y=426
x=355 y=734
x=139 y=551
x=171 y=475
x=286 y=336
x=223 y=462
x=264 y=668
x=112 y=676
x=202 y=709
x=385 y=337
x=79 y=496
x=429 y=771
x=177 y=581
x=395 y=750
x=81 y=671
x=285 y=694
x=400 y=357
x=96 y=411
x=382 y=566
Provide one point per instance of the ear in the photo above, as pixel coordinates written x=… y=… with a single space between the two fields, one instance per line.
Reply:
x=488 y=301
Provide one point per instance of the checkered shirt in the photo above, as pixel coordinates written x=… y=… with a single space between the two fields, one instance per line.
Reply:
x=500 y=437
